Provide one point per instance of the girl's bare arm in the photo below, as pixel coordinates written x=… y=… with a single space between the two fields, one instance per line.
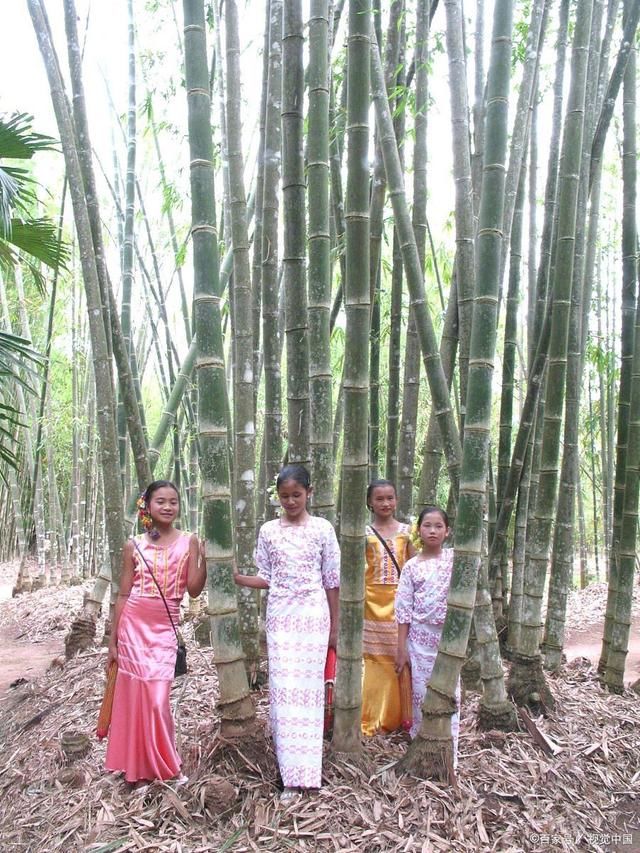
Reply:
x=197 y=571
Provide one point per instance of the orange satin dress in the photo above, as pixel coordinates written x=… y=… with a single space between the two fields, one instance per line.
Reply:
x=381 y=711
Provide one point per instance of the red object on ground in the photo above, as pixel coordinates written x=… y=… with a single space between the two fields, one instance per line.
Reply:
x=104 y=717
x=406 y=706
x=329 y=684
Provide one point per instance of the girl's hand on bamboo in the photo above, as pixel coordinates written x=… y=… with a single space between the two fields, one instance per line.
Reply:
x=402 y=659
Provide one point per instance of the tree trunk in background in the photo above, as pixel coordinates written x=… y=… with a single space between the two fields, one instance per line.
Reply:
x=294 y=254
x=320 y=378
x=411 y=384
x=629 y=297
x=551 y=191
x=526 y=675
x=353 y=510
x=625 y=552
x=464 y=208
x=506 y=399
x=128 y=239
x=430 y=754
x=272 y=345
x=413 y=272
x=432 y=456
x=99 y=343
x=563 y=548
x=243 y=375
x=235 y=703
x=124 y=363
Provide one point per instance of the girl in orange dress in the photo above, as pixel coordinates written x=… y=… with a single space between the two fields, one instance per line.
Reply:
x=387 y=549
x=143 y=642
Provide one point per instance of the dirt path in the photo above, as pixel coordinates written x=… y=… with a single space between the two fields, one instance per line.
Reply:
x=19 y=656
x=24 y=658
x=586 y=642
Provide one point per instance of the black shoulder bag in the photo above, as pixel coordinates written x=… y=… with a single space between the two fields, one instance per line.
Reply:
x=387 y=549
x=181 y=655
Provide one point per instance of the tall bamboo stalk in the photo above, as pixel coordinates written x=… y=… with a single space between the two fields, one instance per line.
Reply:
x=235 y=703
x=413 y=271
x=526 y=676
x=99 y=343
x=320 y=378
x=562 y=554
x=411 y=383
x=294 y=246
x=272 y=440
x=243 y=376
x=464 y=208
x=353 y=511
x=625 y=550
x=431 y=752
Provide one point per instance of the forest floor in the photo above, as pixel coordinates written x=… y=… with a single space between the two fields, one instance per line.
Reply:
x=573 y=785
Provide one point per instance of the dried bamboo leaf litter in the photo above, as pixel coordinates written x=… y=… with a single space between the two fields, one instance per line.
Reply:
x=513 y=795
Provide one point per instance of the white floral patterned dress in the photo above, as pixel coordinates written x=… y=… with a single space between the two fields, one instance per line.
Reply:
x=299 y=562
x=421 y=603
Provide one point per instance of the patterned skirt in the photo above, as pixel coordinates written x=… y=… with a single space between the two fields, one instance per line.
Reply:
x=142 y=735
x=297 y=638
x=422 y=645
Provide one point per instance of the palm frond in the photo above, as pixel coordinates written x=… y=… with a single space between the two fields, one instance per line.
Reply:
x=9 y=189
x=18 y=360
x=17 y=194
x=39 y=238
x=10 y=422
x=18 y=141
x=36 y=238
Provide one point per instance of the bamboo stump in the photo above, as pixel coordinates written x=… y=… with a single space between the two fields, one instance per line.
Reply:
x=527 y=685
x=74 y=744
x=81 y=635
x=502 y=717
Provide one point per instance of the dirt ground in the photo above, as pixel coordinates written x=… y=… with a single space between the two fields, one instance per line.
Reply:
x=586 y=642
x=569 y=781
x=23 y=655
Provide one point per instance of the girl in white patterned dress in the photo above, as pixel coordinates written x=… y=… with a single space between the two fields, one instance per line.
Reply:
x=421 y=606
x=298 y=561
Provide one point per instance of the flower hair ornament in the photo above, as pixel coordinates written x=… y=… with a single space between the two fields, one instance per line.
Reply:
x=144 y=516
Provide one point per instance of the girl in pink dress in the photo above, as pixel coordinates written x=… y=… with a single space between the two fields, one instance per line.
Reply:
x=421 y=606
x=143 y=642
x=298 y=561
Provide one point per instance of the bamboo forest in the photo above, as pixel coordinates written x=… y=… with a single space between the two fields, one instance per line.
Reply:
x=391 y=246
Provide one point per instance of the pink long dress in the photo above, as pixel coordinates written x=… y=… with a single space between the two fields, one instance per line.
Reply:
x=142 y=735
x=300 y=562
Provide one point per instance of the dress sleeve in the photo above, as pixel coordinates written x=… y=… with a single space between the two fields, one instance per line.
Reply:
x=262 y=557
x=404 y=595
x=330 y=566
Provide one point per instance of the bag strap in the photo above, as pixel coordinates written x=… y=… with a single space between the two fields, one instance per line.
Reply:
x=175 y=630
x=387 y=549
